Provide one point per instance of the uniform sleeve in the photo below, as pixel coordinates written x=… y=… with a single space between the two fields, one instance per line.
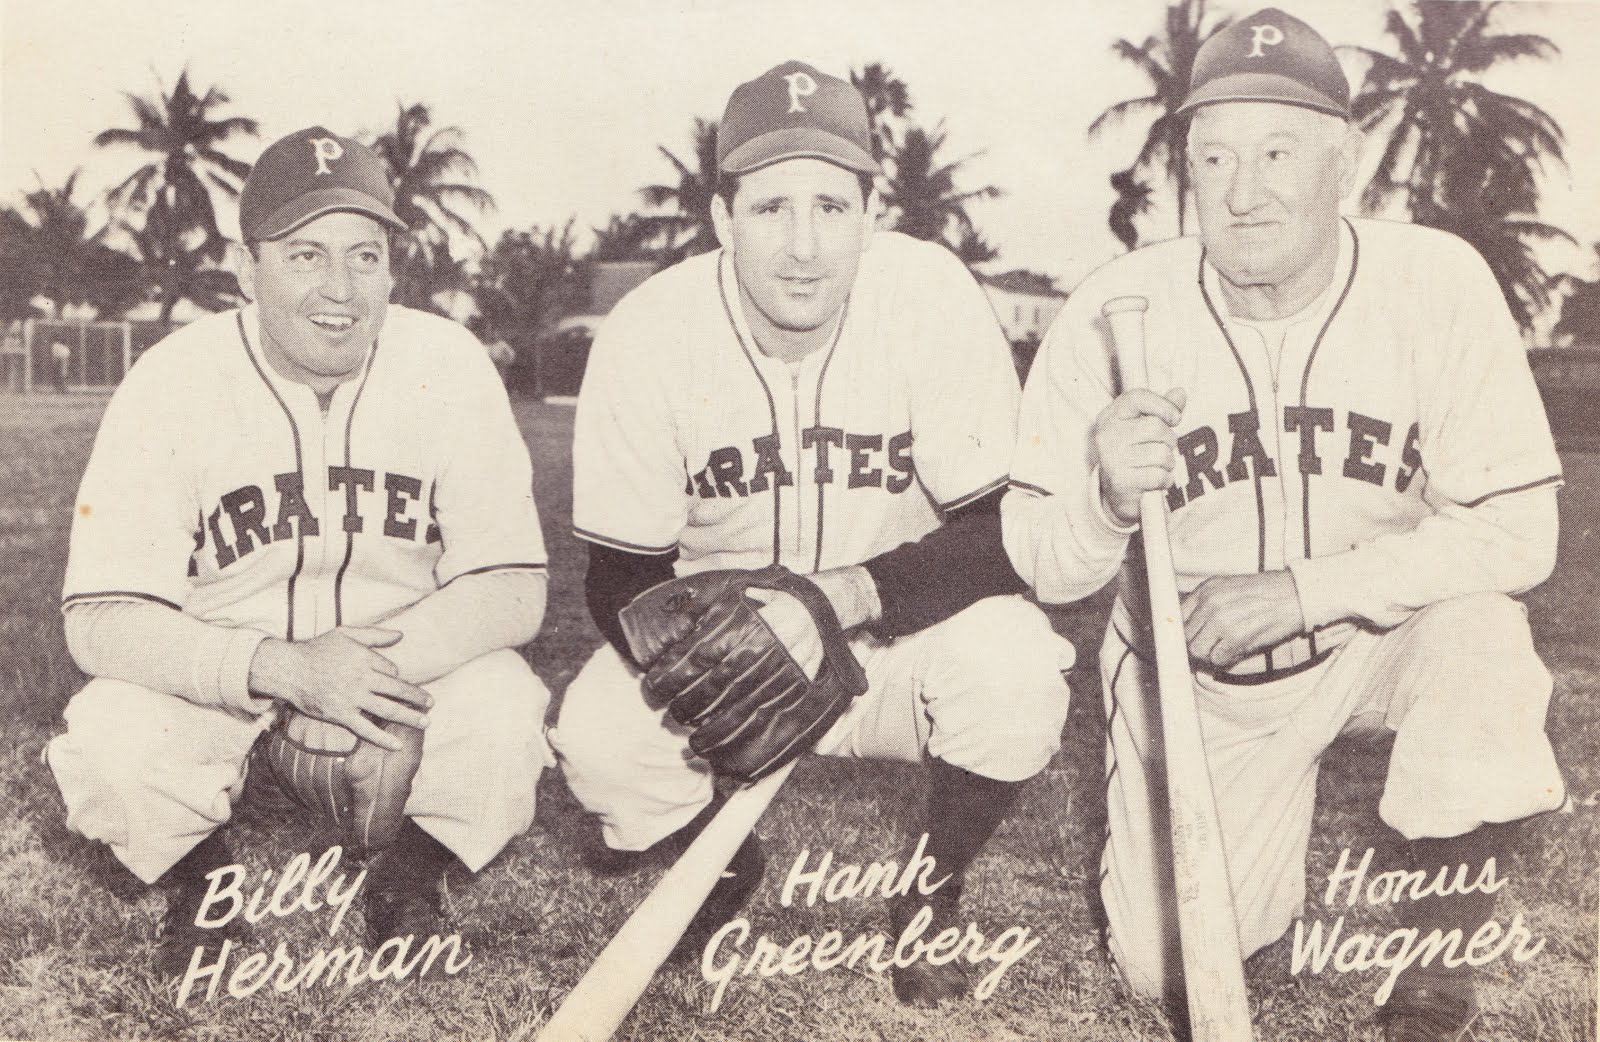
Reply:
x=964 y=409
x=164 y=650
x=483 y=499
x=137 y=517
x=1504 y=545
x=1490 y=462
x=1056 y=532
x=478 y=613
x=628 y=473
x=1484 y=430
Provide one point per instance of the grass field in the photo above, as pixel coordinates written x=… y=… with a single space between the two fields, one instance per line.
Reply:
x=76 y=933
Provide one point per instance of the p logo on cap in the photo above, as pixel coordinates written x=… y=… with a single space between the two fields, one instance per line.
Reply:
x=800 y=86
x=325 y=149
x=1270 y=56
x=1266 y=34
x=309 y=173
x=793 y=111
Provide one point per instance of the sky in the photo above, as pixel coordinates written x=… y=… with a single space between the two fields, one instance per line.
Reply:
x=564 y=104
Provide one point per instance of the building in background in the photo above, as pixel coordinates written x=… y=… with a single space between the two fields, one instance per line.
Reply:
x=1025 y=302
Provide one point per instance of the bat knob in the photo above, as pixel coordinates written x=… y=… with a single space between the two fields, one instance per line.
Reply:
x=1118 y=305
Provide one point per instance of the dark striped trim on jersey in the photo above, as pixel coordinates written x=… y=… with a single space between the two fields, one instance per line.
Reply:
x=1553 y=479
x=772 y=410
x=1305 y=383
x=1025 y=487
x=1250 y=390
x=971 y=497
x=299 y=467
x=350 y=537
x=816 y=421
x=117 y=595
x=515 y=566
x=622 y=544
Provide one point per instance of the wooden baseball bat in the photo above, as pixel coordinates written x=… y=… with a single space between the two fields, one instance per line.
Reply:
x=603 y=997
x=1208 y=930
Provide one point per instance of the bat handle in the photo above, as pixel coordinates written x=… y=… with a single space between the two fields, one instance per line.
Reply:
x=1126 y=318
x=602 y=999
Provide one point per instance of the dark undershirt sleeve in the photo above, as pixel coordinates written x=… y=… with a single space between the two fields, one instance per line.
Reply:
x=954 y=566
x=616 y=577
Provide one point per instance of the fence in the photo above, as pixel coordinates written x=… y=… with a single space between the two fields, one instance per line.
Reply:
x=70 y=355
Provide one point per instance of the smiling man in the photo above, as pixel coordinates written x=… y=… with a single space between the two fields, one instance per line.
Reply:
x=840 y=402
x=312 y=517
x=1360 y=475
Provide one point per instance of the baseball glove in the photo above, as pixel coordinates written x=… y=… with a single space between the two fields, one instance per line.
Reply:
x=717 y=666
x=327 y=771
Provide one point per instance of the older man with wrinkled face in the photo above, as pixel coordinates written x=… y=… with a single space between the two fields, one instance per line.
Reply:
x=1359 y=476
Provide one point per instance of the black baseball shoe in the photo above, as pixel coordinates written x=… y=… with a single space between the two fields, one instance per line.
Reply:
x=404 y=888
x=185 y=883
x=739 y=881
x=402 y=911
x=177 y=936
x=921 y=983
x=1425 y=1014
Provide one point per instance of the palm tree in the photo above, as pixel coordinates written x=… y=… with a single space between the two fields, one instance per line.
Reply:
x=431 y=174
x=1167 y=62
x=1133 y=200
x=179 y=271
x=627 y=237
x=921 y=196
x=528 y=282
x=46 y=250
x=887 y=97
x=691 y=196
x=1459 y=156
x=1580 y=311
x=173 y=190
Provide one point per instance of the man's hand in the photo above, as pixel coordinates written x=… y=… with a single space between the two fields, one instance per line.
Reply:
x=337 y=677
x=1228 y=618
x=849 y=590
x=1134 y=444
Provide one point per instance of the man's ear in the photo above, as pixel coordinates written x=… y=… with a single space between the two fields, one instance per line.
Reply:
x=1350 y=160
x=872 y=211
x=245 y=265
x=722 y=222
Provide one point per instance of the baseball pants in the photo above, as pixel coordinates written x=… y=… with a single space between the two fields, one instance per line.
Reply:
x=151 y=774
x=984 y=690
x=1459 y=684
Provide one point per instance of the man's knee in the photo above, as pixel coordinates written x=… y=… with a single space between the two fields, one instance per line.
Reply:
x=585 y=733
x=1488 y=630
x=122 y=731
x=998 y=677
x=505 y=700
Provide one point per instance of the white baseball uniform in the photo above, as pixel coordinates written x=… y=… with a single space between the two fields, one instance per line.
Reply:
x=689 y=438
x=221 y=490
x=1388 y=446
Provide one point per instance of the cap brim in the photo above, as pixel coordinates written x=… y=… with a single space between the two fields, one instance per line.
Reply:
x=1262 y=86
x=312 y=205
x=797 y=143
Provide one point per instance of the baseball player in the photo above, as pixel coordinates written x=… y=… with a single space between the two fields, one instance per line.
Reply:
x=838 y=401
x=1360 y=475
x=319 y=503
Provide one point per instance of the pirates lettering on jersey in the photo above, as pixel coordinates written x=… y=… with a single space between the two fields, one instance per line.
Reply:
x=1368 y=452
x=239 y=522
x=856 y=460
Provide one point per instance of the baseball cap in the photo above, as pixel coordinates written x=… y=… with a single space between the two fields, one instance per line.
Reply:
x=793 y=111
x=309 y=173
x=1269 y=56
